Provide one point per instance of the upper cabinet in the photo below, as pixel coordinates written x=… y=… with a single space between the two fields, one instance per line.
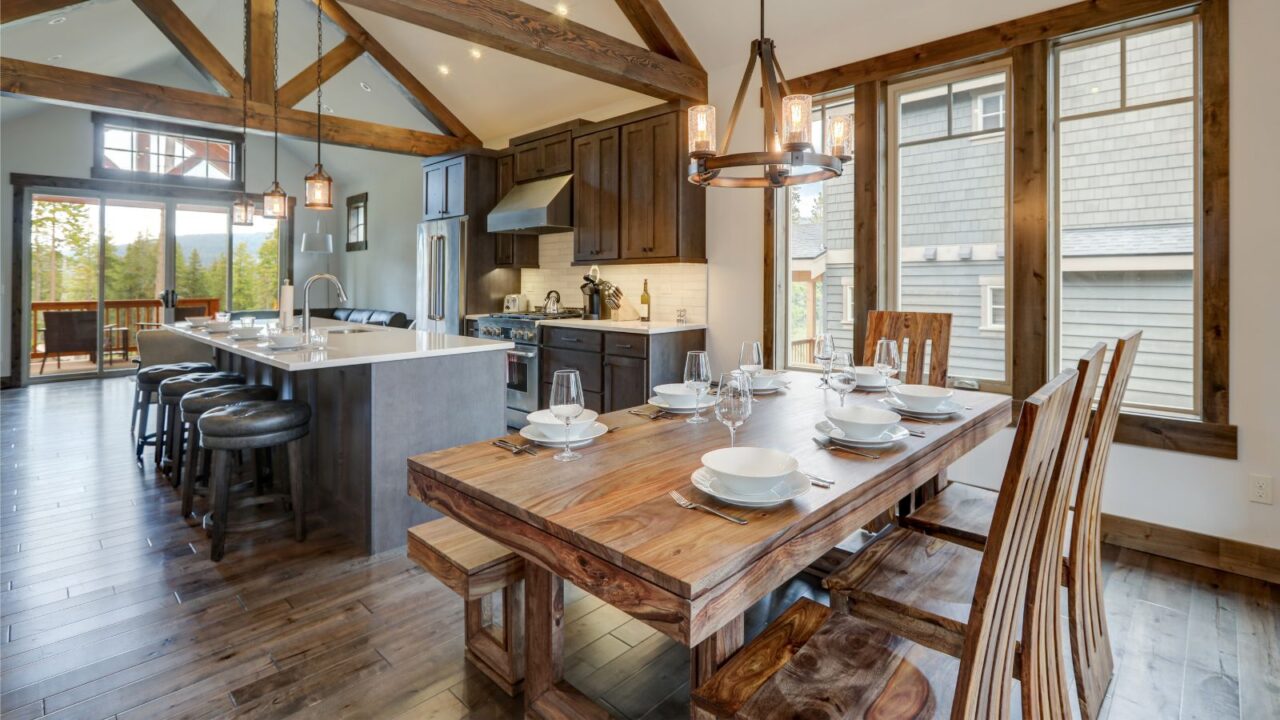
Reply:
x=444 y=188
x=544 y=157
x=510 y=250
x=632 y=201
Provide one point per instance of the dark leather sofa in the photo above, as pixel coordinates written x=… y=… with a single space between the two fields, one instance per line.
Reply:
x=386 y=318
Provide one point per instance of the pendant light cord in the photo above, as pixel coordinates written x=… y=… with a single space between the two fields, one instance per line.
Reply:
x=275 y=95
x=244 y=95
x=762 y=21
x=319 y=60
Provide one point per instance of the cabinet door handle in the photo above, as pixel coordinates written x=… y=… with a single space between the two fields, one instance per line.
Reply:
x=575 y=340
x=624 y=347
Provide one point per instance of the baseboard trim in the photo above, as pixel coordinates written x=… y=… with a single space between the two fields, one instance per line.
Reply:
x=1255 y=561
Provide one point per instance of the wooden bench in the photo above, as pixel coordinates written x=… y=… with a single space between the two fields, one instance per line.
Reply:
x=479 y=570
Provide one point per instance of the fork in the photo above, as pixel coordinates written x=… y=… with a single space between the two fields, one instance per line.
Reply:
x=818 y=481
x=686 y=504
x=515 y=449
x=829 y=447
x=652 y=416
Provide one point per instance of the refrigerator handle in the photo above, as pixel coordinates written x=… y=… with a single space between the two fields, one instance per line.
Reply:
x=439 y=257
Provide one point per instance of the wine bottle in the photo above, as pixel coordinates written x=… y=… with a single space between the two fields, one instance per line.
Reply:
x=644 y=302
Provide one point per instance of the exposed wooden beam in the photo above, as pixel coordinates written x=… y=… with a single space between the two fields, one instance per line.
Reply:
x=414 y=91
x=302 y=84
x=75 y=87
x=15 y=10
x=659 y=33
x=530 y=32
x=193 y=44
x=262 y=50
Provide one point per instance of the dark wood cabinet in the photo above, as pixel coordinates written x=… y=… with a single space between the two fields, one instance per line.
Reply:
x=455 y=188
x=596 y=186
x=626 y=381
x=509 y=249
x=618 y=369
x=544 y=157
x=651 y=188
x=444 y=191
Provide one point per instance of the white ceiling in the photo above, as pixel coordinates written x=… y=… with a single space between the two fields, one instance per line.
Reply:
x=497 y=95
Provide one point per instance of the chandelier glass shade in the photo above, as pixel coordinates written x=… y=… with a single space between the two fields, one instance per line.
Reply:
x=790 y=158
x=274 y=200
x=242 y=211
x=318 y=193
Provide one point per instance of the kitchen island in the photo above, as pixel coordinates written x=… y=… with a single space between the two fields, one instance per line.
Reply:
x=378 y=395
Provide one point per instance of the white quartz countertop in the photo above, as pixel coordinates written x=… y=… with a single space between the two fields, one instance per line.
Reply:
x=656 y=327
x=369 y=344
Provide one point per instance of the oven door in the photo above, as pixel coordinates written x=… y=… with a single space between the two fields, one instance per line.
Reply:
x=522 y=382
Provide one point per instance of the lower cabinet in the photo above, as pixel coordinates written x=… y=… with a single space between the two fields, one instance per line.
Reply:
x=626 y=381
x=618 y=370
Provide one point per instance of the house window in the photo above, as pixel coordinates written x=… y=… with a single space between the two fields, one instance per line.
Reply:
x=127 y=148
x=948 y=216
x=357 y=219
x=817 y=242
x=1127 y=237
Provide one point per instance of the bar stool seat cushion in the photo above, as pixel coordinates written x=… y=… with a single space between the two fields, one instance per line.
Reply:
x=254 y=424
x=152 y=375
x=172 y=389
x=200 y=401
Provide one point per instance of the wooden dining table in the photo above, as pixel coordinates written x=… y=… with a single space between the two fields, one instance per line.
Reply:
x=607 y=523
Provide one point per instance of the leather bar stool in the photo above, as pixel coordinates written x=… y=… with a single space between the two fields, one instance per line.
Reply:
x=250 y=426
x=196 y=403
x=171 y=392
x=148 y=393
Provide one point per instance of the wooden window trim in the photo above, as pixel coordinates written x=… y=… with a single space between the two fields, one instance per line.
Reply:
x=361 y=201
x=99 y=171
x=1027 y=42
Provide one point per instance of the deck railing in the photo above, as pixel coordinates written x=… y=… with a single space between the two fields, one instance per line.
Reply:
x=129 y=314
x=802 y=351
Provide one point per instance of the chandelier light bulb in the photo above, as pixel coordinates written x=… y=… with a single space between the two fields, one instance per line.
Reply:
x=839 y=132
x=797 y=110
x=702 y=130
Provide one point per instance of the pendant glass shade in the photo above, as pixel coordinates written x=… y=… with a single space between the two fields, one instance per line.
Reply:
x=318 y=241
x=702 y=130
x=319 y=189
x=839 y=134
x=797 y=116
x=274 y=202
x=242 y=211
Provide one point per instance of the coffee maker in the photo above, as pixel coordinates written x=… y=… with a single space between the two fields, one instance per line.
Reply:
x=592 y=302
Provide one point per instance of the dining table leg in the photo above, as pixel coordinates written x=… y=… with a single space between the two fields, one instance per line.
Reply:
x=546 y=694
x=707 y=656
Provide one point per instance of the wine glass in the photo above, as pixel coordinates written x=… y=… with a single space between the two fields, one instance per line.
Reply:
x=844 y=377
x=824 y=346
x=567 y=403
x=697 y=377
x=751 y=361
x=887 y=359
x=733 y=401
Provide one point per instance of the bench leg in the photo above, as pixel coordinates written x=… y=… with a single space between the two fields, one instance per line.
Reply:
x=498 y=651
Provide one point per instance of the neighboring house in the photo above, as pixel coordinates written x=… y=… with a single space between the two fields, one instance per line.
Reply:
x=1127 y=237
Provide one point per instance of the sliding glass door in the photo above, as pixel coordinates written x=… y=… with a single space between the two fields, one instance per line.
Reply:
x=65 y=284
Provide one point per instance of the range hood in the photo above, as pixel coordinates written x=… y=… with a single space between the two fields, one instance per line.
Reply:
x=534 y=208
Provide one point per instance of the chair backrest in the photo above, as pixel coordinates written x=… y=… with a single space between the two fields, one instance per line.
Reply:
x=916 y=333
x=985 y=681
x=70 y=331
x=160 y=347
x=183 y=313
x=1044 y=677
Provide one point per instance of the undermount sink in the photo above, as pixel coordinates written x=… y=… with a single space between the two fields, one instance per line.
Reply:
x=350 y=330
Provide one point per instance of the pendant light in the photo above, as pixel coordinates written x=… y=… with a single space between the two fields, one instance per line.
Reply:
x=274 y=200
x=242 y=208
x=790 y=158
x=319 y=186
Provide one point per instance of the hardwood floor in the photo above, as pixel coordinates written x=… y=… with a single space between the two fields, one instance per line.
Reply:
x=110 y=608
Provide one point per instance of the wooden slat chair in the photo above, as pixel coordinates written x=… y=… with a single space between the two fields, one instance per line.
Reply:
x=962 y=514
x=919 y=586
x=814 y=662
x=918 y=334
x=477 y=569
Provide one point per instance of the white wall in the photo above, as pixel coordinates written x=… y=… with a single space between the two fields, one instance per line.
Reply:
x=1186 y=491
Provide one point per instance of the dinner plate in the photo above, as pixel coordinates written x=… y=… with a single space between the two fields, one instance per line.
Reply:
x=889 y=382
x=946 y=409
x=529 y=432
x=771 y=389
x=894 y=434
x=707 y=403
x=287 y=348
x=788 y=488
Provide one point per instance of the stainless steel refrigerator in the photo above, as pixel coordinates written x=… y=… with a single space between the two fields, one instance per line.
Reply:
x=441 y=274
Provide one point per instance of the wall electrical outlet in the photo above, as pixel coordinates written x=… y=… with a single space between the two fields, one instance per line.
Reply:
x=1260 y=487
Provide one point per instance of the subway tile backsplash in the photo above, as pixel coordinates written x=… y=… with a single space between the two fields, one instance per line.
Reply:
x=671 y=285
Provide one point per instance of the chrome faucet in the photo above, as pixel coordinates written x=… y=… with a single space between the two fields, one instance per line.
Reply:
x=306 y=300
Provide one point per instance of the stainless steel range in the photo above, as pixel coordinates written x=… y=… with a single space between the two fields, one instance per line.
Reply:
x=523 y=381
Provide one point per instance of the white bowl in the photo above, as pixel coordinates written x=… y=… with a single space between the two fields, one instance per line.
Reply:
x=287 y=340
x=677 y=395
x=552 y=427
x=219 y=326
x=750 y=470
x=868 y=376
x=199 y=320
x=921 y=398
x=862 y=423
x=246 y=332
x=766 y=379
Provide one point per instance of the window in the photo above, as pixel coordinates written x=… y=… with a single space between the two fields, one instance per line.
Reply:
x=947 y=185
x=357 y=211
x=1126 y=236
x=818 y=243
x=128 y=148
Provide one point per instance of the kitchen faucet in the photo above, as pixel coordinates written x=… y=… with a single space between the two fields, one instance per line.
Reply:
x=306 y=300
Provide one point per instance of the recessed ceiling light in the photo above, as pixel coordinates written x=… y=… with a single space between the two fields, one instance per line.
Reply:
x=327 y=109
x=57 y=19
x=561 y=9
x=53 y=58
x=443 y=69
x=476 y=54
x=365 y=86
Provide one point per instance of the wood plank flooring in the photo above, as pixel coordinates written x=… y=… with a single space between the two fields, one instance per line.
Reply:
x=110 y=608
